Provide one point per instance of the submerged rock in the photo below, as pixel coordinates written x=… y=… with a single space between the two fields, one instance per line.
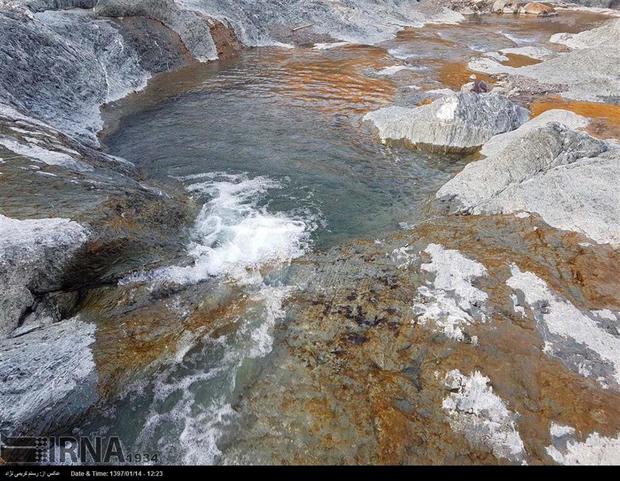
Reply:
x=454 y=123
x=366 y=380
x=594 y=450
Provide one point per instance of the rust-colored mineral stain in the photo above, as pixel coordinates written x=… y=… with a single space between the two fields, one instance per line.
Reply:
x=605 y=117
x=427 y=34
x=334 y=84
x=516 y=60
x=456 y=74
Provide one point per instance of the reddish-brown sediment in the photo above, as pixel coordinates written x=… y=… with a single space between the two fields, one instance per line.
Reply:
x=134 y=336
x=363 y=380
x=225 y=39
x=516 y=60
x=456 y=74
x=337 y=81
x=605 y=117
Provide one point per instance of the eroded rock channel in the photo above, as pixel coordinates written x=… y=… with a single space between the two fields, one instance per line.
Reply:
x=375 y=232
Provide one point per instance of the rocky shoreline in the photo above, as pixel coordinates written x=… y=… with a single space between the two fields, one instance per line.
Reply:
x=489 y=333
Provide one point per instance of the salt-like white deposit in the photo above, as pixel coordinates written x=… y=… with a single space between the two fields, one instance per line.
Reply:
x=563 y=319
x=450 y=301
x=559 y=430
x=595 y=450
x=482 y=416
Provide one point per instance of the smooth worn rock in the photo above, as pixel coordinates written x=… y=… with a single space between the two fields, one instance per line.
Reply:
x=454 y=123
x=47 y=378
x=565 y=176
x=569 y=119
x=33 y=256
x=606 y=35
x=598 y=48
x=60 y=67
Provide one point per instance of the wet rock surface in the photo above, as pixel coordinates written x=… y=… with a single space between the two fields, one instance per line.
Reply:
x=357 y=378
x=564 y=73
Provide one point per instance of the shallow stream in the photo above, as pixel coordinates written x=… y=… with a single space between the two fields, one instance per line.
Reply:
x=273 y=146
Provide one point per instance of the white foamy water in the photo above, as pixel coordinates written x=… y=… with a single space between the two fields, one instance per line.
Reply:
x=192 y=398
x=189 y=407
x=235 y=233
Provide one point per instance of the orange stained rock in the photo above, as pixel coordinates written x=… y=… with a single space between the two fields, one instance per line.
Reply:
x=605 y=117
x=539 y=9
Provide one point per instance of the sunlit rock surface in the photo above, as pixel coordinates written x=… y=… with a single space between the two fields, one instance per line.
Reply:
x=455 y=123
x=488 y=338
x=598 y=48
x=498 y=143
x=566 y=176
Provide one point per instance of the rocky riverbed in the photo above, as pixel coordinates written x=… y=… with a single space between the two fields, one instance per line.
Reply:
x=182 y=311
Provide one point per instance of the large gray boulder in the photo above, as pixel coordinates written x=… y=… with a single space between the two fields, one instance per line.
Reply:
x=567 y=177
x=565 y=117
x=456 y=123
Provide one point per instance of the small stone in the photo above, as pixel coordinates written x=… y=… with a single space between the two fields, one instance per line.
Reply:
x=538 y=9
